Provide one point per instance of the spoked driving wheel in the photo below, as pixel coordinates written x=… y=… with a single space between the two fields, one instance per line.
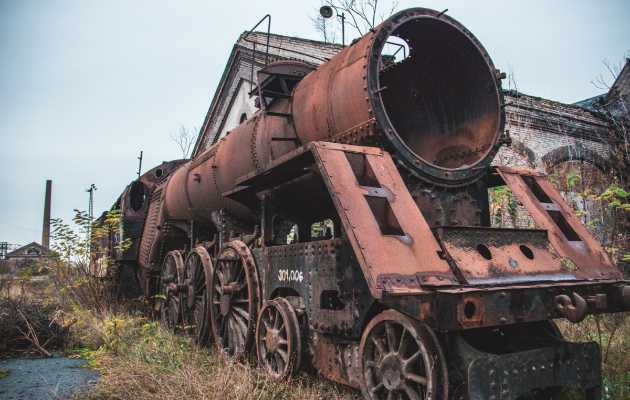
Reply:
x=172 y=269
x=235 y=300
x=278 y=339
x=401 y=359
x=197 y=278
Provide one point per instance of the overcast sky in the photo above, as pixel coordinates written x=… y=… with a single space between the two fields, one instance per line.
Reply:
x=86 y=85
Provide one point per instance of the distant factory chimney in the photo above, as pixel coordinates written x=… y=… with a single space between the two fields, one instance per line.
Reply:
x=46 y=230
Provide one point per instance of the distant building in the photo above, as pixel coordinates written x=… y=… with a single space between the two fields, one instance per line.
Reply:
x=28 y=255
x=33 y=252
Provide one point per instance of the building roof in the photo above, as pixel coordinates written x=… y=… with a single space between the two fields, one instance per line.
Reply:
x=622 y=83
x=618 y=93
x=589 y=103
x=31 y=250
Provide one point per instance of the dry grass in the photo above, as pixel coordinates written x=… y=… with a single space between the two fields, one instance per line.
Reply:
x=139 y=359
x=26 y=317
x=612 y=333
x=144 y=361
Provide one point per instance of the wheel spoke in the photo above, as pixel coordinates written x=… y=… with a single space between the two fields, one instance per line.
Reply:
x=404 y=342
x=277 y=321
x=266 y=323
x=241 y=322
x=391 y=396
x=225 y=336
x=412 y=394
x=391 y=337
x=280 y=361
x=222 y=325
x=230 y=334
x=283 y=354
x=416 y=378
x=201 y=288
x=241 y=272
x=379 y=344
x=241 y=312
x=242 y=287
x=199 y=271
x=412 y=359
x=222 y=278
x=377 y=387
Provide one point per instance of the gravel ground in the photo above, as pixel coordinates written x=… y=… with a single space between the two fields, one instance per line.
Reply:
x=45 y=378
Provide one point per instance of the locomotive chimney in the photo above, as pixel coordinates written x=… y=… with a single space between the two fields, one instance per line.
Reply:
x=46 y=230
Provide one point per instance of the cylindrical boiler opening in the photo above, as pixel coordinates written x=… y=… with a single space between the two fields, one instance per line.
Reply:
x=441 y=98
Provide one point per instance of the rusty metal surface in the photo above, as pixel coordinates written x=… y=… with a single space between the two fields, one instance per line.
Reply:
x=344 y=366
x=508 y=376
x=509 y=361
x=388 y=234
x=316 y=271
x=449 y=309
x=500 y=256
x=568 y=235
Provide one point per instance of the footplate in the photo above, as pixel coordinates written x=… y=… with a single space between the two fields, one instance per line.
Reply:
x=508 y=376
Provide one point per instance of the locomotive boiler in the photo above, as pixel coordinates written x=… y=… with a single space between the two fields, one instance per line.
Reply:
x=346 y=226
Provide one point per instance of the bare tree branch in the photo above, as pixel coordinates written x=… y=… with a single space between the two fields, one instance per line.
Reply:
x=361 y=14
x=323 y=27
x=185 y=138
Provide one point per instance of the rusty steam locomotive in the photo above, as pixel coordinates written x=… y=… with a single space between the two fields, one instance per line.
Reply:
x=407 y=292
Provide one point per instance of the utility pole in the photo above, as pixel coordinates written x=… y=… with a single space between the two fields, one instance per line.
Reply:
x=140 y=166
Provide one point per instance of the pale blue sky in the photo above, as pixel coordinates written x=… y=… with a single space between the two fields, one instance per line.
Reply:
x=85 y=85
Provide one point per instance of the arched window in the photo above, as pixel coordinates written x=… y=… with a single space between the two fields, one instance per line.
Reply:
x=243 y=118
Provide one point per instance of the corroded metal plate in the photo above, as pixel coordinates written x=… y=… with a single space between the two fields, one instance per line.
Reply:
x=498 y=256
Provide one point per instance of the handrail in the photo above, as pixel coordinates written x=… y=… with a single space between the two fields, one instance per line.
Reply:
x=251 y=81
x=267 y=45
x=393 y=56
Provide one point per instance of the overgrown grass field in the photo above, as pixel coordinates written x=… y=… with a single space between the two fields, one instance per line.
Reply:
x=140 y=359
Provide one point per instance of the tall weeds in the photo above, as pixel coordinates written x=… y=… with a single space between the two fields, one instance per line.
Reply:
x=145 y=361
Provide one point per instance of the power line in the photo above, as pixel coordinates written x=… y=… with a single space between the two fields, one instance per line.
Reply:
x=21 y=227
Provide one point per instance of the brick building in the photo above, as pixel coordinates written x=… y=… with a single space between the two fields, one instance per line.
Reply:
x=551 y=137
x=27 y=256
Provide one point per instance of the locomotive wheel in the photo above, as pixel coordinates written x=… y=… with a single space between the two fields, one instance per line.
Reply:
x=172 y=270
x=195 y=311
x=401 y=359
x=278 y=339
x=235 y=300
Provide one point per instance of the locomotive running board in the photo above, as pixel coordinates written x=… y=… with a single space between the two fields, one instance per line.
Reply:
x=384 y=225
